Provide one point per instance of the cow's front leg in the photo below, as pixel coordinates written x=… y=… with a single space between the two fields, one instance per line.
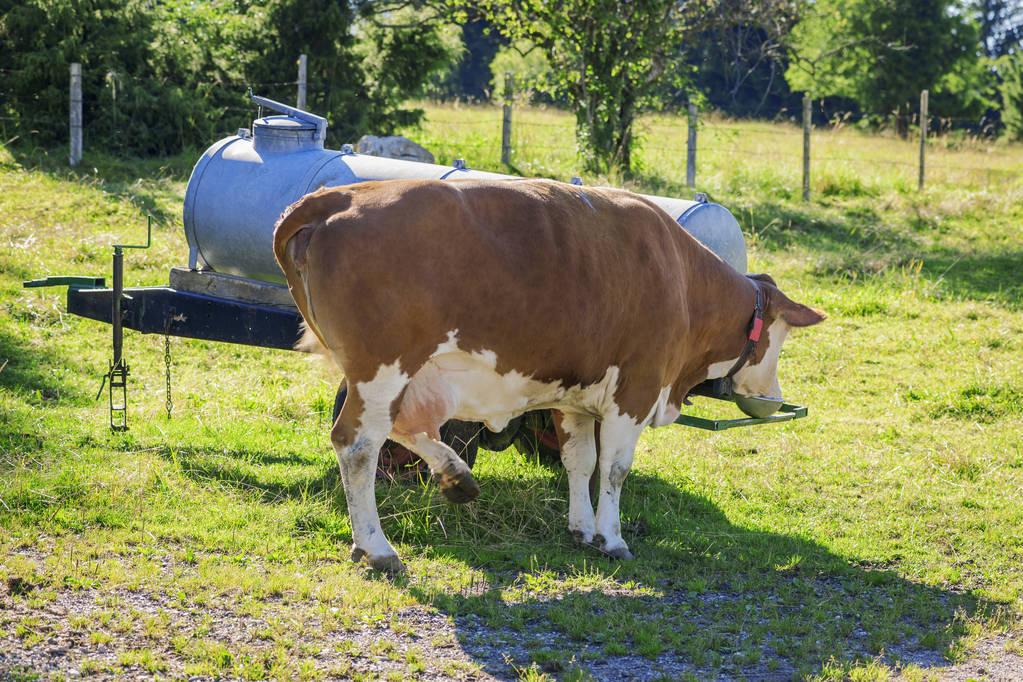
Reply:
x=618 y=436
x=579 y=455
x=358 y=448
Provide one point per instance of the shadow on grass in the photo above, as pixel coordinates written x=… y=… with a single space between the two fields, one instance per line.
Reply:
x=726 y=599
x=238 y=468
x=857 y=240
x=779 y=227
x=704 y=596
x=858 y=244
x=982 y=276
x=40 y=374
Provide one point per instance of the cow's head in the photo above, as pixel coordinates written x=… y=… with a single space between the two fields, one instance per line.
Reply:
x=758 y=377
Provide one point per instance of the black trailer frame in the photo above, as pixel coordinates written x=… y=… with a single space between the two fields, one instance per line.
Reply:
x=171 y=311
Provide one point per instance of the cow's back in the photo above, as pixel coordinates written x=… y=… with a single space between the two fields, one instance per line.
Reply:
x=559 y=282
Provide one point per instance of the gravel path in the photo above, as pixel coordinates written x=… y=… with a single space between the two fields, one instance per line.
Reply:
x=54 y=638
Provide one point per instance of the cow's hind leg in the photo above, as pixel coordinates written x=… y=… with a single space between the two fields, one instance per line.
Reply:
x=618 y=436
x=579 y=455
x=426 y=405
x=358 y=434
x=452 y=474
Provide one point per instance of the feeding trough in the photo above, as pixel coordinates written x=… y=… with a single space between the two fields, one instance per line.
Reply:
x=232 y=289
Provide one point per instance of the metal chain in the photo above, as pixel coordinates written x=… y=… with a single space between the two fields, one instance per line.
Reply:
x=167 y=363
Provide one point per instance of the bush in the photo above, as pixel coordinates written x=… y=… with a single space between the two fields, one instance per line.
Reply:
x=159 y=77
x=149 y=77
x=1011 y=71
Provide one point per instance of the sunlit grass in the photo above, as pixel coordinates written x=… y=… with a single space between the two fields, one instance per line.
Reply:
x=845 y=160
x=882 y=530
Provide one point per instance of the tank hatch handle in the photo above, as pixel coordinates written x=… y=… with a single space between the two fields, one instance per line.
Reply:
x=318 y=121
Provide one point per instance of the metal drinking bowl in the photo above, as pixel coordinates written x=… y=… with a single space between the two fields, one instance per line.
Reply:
x=757 y=407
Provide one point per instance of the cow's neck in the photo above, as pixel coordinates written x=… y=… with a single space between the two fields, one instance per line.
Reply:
x=720 y=312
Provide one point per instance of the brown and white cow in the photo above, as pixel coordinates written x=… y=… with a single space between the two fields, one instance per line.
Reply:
x=479 y=301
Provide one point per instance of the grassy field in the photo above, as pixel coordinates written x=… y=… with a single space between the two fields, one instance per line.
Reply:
x=880 y=537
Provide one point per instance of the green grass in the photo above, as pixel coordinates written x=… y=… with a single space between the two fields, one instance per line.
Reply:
x=881 y=535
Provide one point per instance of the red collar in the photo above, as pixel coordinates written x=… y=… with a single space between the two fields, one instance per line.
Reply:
x=756 y=326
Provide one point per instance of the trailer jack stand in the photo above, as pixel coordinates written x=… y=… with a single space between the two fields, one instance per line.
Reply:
x=117 y=378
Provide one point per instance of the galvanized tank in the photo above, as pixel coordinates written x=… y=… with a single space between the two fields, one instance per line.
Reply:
x=241 y=184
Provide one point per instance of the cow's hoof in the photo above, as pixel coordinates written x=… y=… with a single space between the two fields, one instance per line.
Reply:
x=582 y=538
x=385 y=563
x=458 y=485
x=619 y=552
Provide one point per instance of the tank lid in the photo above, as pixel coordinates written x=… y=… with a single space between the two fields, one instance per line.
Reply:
x=283 y=134
x=283 y=123
x=294 y=125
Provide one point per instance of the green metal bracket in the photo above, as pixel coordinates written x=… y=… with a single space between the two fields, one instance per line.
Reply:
x=786 y=413
x=149 y=237
x=73 y=281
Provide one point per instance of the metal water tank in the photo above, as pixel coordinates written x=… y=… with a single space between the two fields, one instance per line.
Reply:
x=241 y=184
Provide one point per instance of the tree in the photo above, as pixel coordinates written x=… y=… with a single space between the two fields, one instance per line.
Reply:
x=1011 y=92
x=1001 y=33
x=366 y=60
x=609 y=59
x=1001 y=26
x=159 y=77
x=740 y=58
x=879 y=53
x=471 y=78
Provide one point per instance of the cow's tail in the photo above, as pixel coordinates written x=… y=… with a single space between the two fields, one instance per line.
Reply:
x=292 y=235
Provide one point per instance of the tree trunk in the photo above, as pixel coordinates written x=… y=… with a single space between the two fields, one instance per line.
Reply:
x=901 y=123
x=626 y=119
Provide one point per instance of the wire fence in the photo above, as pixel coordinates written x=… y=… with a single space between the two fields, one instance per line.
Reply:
x=701 y=150
x=841 y=152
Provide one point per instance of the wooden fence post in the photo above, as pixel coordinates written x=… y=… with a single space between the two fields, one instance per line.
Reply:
x=923 y=136
x=807 y=122
x=302 y=83
x=506 y=120
x=75 y=114
x=691 y=148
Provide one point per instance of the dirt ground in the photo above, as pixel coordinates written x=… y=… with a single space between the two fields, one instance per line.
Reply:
x=57 y=643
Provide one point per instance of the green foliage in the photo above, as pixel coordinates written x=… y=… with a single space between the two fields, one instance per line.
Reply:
x=526 y=63
x=968 y=90
x=152 y=74
x=358 y=78
x=609 y=60
x=321 y=29
x=1001 y=25
x=470 y=78
x=398 y=58
x=1010 y=69
x=739 y=58
x=882 y=54
x=162 y=76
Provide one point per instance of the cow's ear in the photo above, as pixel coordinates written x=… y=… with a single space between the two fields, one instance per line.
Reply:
x=799 y=315
x=795 y=314
x=763 y=277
